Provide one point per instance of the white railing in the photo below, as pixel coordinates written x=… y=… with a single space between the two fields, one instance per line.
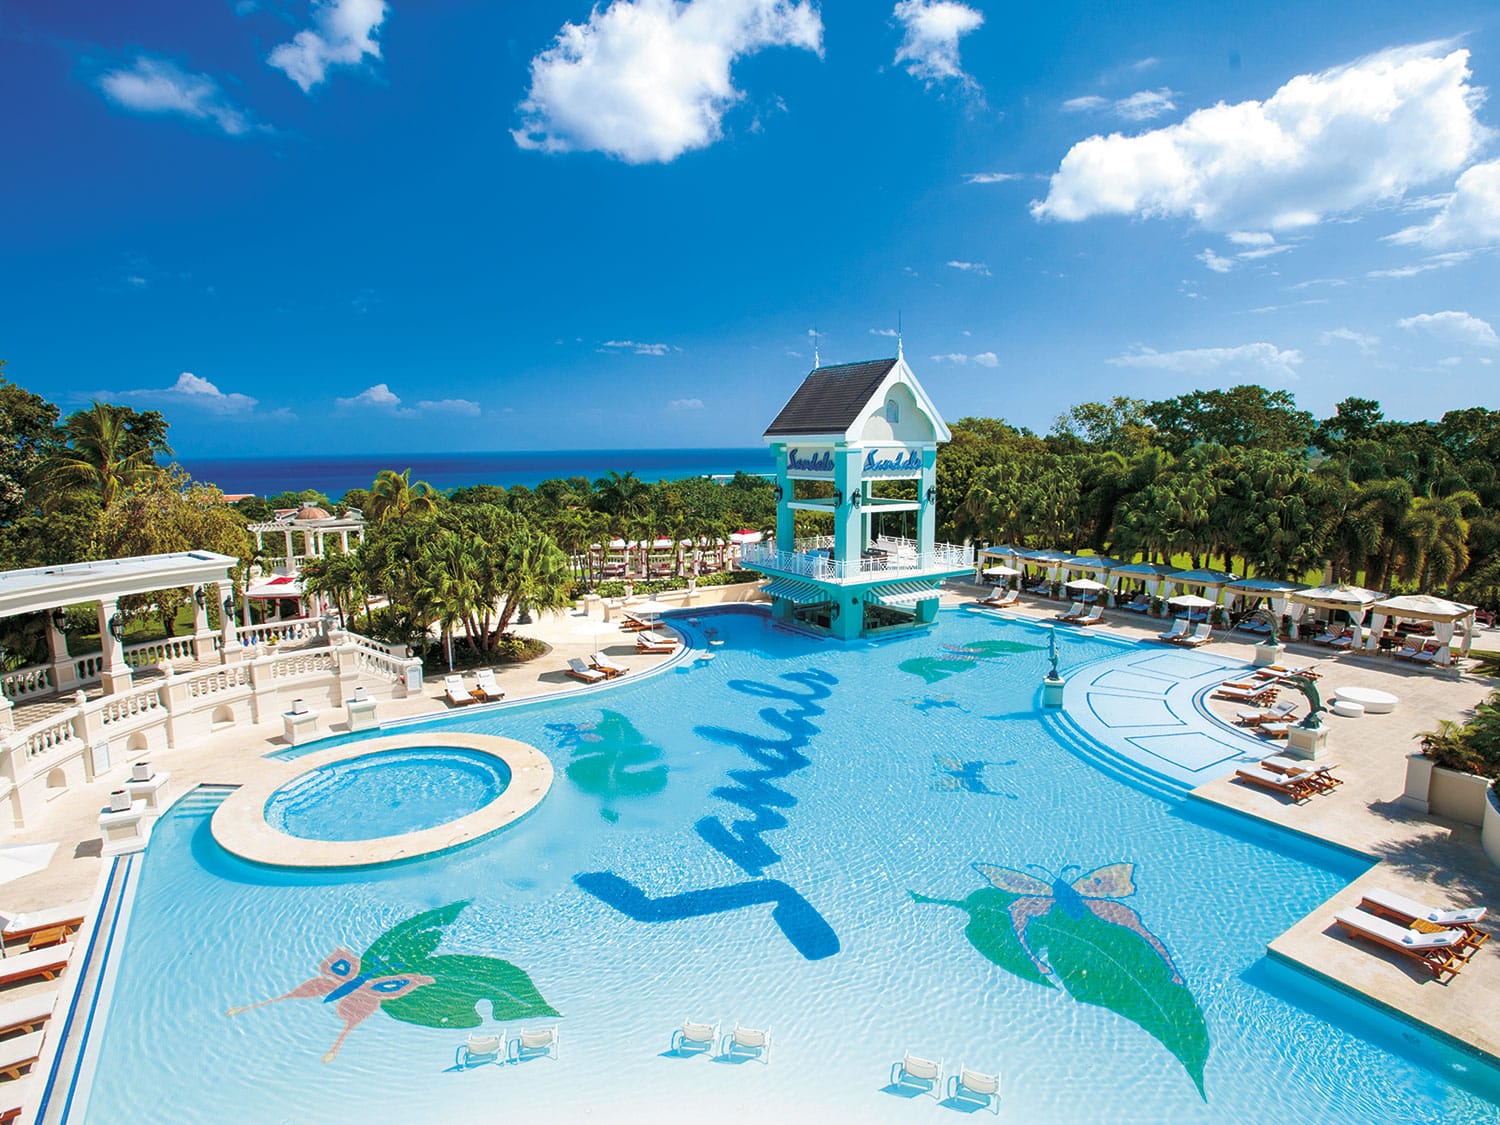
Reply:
x=298 y=629
x=154 y=652
x=86 y=668
x=379 y=661
x=44 y=737
x=116 y=709
x=217 y=681
x=26 y=683
x=897 y=559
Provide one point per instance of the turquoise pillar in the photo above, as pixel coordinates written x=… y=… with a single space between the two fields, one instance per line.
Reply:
x=786 y=522
x=848 y=537
x=849 y=625
x=927 y=513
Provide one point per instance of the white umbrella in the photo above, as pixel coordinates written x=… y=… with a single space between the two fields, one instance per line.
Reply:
x=652 y=608
x=591 y=627
x=1191 y=601
x=18 y=860
x=1001 y=571
x=1090 y=584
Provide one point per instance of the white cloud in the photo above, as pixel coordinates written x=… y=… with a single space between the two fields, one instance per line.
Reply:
x=958 y=358
x=929 y=44
x=1260 y=360
x=1262 y=252
x=464 y=406
x=648 y=80
x=1457 y=328
x=190 y=390
x=993 y=177
x=1214 y=262
x=380 y=397
x=1251 y=237
x=1470 y=216
x=1365 y=343
x=1435 y=262
x=1143 y=105
x=637 y=347
x=161 y=87
x=971 y=267
x=963 y=359
x=987 y=359
x=343 y=33
x=685 y=404
x=882 y=332
x=1322 y=144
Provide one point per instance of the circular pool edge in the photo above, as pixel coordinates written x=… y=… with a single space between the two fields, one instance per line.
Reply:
x=240 y=827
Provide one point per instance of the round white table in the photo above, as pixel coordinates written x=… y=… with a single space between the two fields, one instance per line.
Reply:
x=1347 y=708
x=1374 y=702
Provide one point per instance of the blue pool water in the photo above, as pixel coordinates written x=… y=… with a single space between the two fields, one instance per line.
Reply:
x=387 y=794
x=781 y=837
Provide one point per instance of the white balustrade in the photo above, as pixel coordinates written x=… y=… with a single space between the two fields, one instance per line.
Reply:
x=899 y=557
x=44 y=737
x=154 y=652
x=27 y=683
x=297 y=629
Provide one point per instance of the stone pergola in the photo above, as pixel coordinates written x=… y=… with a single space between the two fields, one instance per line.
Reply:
x=316 y=527
x=47 y=589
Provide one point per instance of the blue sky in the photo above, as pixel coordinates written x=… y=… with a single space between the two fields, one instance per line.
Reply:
x=365 y=225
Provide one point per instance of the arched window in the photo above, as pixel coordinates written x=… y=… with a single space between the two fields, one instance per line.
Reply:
x=892 y=411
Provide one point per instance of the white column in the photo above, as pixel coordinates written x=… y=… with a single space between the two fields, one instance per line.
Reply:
x=230 y=648
x=344 y=541
x=114 y=674
x=203 y=636
x=64 y=674
x=289 y=547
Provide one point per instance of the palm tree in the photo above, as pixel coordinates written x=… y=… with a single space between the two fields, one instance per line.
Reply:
x=622 y=495
x=394 y=495
x=102 y=458
x=1434 y=539
x=339 y=578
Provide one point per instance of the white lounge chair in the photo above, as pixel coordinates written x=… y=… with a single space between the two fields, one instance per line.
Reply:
x=456 y=694
x=33 y=921
x=914 y=1068
x=14 y=1097
x=1282 y=710
x=581 y=671
x=1072 y=614
x=1320 y=774
x=696 y=1036
x=533 y=1042
x=1178 y=630
x=1295 y=786
x=747 y=1039
x=27 y=1013
x=46 y=963
x=604 y=664
x=1441 y=952
x=1000 y=597
x=1409 y=912
x=478 y=1048
x=17 y=1054
x=973 y=1085
x=1094 y=616
x=1200 y=636
x=486 y=687
x=648 y=641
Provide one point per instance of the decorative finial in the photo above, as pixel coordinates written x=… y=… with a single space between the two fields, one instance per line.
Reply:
x=817 y=363
x=900 y=354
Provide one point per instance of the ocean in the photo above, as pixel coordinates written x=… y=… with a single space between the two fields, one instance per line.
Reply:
x=335 y=475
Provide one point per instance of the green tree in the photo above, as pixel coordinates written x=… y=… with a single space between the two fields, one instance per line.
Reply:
x=107 y=450
x=394 y=495
x=28 y=437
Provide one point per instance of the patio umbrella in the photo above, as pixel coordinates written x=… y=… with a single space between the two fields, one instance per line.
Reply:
x=1191 y=601
x=1086 y=584
x=652 y=608
x=1001 y=571
x=18 y=860
x=591 y=627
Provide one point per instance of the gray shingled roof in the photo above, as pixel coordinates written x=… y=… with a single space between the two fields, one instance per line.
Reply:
x=830 y=398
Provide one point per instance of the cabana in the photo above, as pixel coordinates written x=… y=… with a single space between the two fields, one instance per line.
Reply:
x=1353 y=600
x=1051 y=561
x=1443 y=614
x=1206 y=578
x=1096 y=567
x=1277 y=591
x=1152 y=577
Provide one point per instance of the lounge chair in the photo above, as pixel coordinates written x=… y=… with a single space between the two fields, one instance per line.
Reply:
x=1178 y=630
x=1258 y=697
x=1275 y=730
x=27 y=1013
x=647 y=641
x=1281 y=671
x=973 y=1085
x=534 y=1042
x=1429 y=655
x=696 y=1036
x=1073 y=614
x=581 y=671
x=1094 y=616
x=478 y=1049
x=46 y=963
x=17 y=1054
x=999 y=598
x=485 y=686
x=633 y=624
x=602 y=663
x=1139 y=605
x=747 y=1039
x=1440 y=952
x=17 y=926
x=1320 y=775
x=456 y=694
x=1201 y=635
x=914 y=1068
x=13 y=1099
x=1407 y=912
x=1343 y=642
x=1282 y=710
x=1296 y=787
x=1408 y=650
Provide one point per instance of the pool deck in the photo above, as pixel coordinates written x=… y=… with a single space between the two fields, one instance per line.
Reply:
x=1422 y=857
x=1428 y=859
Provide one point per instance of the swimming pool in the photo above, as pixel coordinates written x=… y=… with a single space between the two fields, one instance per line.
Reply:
x=868 y=849
x=388 y=793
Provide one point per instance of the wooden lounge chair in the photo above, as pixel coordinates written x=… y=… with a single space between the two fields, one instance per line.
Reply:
x=456 y=694
x=632 y=624
x=1073 y=614
x=581 y=671
x=1281 y=671
x=1297 y=788
x=1320 y=774
x=1408 y=912
x=46 y=963
x=1256 y=697
x=1276 y=714
x=18 y=926
x=927 y=1073
x=1094 y=616
x=974 y=1085
x=648 y=641
x=1431 y=655
x=602 y=663
x=1178 y=630
x=18 y=1054
x=485 y=686
x=13 y=1099
x=1440 y=952
x=28 y=1013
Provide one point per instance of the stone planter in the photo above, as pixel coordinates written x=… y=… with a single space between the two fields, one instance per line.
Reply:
x=1437 y=791
x=1490 y=832
x=1302 y=742
x=1268 y=653
x=1418 y=783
